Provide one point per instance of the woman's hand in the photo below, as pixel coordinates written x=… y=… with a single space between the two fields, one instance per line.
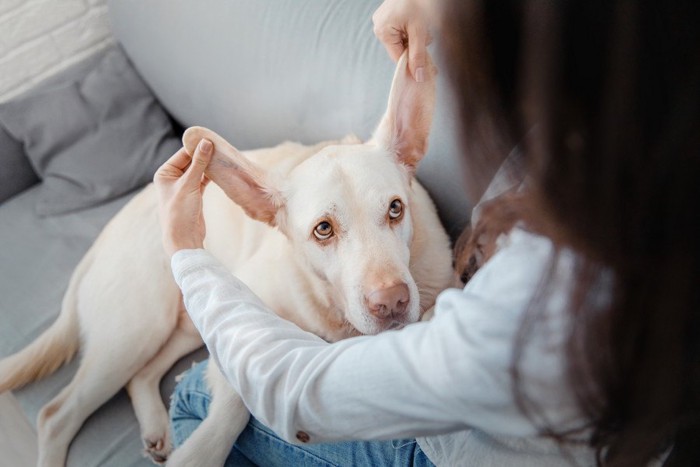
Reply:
x=180 y=183
x=401 y=24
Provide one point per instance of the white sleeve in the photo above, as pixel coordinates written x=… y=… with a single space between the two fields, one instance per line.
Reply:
x=429 y=378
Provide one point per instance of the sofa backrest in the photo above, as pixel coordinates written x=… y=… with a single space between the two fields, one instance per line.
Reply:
x=264 y=71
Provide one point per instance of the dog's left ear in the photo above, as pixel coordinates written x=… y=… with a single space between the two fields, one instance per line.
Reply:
x=242 y=180
x=405 y=127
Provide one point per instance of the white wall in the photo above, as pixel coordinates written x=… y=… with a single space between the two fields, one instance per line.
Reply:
x=41 y=37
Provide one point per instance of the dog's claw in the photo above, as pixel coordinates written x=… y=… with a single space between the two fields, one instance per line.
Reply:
x=155 y=450
x=157 y=445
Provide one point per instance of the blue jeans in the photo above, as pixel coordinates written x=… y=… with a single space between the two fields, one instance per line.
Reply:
x=258 y=445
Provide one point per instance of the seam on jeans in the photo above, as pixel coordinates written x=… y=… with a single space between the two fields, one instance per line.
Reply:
x=196 y=392
x=399 y=446
x=308 y=454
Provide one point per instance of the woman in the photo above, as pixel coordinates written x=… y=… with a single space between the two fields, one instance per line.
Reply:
x=576 y=343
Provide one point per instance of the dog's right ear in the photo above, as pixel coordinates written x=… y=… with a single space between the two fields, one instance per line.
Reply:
x=405 y=127
x=243 y=181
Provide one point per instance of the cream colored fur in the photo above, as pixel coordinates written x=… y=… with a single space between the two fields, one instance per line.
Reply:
x=125 y=312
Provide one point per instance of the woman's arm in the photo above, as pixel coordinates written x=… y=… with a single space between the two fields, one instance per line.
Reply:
x=428 y=378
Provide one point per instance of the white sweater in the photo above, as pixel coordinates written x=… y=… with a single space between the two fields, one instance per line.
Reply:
x=446 y=381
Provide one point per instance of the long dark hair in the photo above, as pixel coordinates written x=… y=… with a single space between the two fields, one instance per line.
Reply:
x=605 y=96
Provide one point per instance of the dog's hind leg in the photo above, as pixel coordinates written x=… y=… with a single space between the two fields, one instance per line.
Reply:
x=210 y=444
x=109 y=361
x=144 y=388
x=97 y=380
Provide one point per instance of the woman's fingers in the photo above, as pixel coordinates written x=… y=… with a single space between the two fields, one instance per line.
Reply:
x=180 y=183
x=393 y=41
x=400 y=24
x=418 y=39
x=175 y=166
x=200 y=161
x=189 y=168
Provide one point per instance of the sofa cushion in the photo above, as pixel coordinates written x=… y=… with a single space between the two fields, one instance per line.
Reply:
x=92 y=138
x=16 y=173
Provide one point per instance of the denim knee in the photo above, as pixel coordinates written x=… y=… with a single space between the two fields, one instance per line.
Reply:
x=189 y=403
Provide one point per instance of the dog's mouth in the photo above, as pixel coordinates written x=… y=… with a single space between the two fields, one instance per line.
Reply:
x=378 y=325
x=395 y=326
x=391 y=324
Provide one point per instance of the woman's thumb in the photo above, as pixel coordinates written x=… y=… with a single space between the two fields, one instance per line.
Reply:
x=202 y=156
x=417 y=53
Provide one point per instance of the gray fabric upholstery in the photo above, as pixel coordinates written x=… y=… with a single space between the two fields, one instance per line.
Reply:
x=262 y=72
x=16 y=173
x=91 y=138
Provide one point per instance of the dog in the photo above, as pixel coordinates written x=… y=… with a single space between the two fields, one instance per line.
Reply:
x=339 y=238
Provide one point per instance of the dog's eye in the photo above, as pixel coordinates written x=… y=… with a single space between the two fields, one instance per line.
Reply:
x=323 y=231
x=395 y=209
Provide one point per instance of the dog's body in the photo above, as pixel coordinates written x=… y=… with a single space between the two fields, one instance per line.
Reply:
x=125 y=312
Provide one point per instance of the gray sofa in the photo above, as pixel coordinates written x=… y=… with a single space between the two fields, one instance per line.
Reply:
x=258 y=73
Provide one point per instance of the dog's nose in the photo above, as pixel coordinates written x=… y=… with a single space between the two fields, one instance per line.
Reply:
x=388 y=302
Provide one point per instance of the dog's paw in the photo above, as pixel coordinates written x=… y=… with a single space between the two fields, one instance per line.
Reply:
x=157 y=449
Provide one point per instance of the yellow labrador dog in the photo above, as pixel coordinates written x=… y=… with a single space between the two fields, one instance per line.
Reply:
x=338 y=238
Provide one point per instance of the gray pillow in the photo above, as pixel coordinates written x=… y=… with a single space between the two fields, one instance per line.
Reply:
x=16 y=174
x=91 y=139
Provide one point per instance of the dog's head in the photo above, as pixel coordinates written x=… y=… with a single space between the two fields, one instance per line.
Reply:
x=347 y=210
